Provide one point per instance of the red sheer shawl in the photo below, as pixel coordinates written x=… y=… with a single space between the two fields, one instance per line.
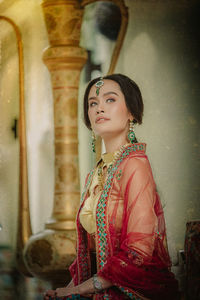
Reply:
x=133 y=254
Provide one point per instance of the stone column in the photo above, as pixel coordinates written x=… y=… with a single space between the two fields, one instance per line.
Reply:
x=49 y=253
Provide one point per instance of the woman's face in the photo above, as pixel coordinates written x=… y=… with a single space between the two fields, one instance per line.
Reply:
x=108 y=113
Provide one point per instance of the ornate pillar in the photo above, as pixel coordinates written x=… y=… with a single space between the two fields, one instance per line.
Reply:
x=48 y=254
x=64 y=59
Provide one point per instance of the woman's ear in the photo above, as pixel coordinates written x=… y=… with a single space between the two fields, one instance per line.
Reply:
x=131 y=118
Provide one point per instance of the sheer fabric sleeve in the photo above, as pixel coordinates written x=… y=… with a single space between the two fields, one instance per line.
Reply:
x=138 y=263
x=140 y=219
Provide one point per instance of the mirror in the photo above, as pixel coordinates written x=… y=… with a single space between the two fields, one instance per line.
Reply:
x=100 y=28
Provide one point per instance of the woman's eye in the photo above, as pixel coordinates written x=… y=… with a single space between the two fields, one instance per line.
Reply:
x=110 y=100
x=92 y=103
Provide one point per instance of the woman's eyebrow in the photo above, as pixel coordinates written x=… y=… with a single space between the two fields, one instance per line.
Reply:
x=108 y=93
x=92 y=98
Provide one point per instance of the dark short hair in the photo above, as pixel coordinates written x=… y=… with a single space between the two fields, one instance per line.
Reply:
x=132 y=95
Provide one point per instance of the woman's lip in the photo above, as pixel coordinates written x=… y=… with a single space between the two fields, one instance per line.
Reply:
x=99 y=120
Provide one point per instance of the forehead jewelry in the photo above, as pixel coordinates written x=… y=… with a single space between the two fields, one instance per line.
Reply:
x=98 y=85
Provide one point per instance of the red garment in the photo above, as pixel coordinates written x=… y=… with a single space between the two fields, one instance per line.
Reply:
x=131 y=237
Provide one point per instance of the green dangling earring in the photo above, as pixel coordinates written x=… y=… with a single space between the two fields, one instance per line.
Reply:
x=93 y=142
x=131 y=133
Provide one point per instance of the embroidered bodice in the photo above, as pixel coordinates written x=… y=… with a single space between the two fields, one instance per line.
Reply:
x=88 y=211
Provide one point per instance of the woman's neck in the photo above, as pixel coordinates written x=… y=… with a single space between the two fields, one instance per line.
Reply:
x=115 y=143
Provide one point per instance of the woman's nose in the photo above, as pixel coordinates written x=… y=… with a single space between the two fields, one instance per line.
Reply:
x=100 y=111
x=100 y=108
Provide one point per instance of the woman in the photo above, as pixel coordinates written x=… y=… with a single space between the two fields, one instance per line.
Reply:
x=122 y=248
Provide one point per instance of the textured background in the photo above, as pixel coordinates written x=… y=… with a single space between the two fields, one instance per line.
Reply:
x=160 y=53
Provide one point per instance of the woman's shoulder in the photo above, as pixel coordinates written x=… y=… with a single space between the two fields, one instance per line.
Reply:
x=136 y=166
x=135 y=153
x=134 y=150
x=137 y=159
